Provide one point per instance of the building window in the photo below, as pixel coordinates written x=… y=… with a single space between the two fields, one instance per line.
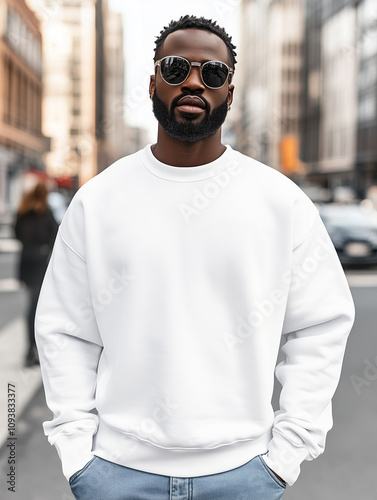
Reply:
x=371 y=145
x=17 y=108
x=331 y=145
x=343 y=142
x=23 y=41
x=368 y=74
x=8 y=91
x=367 y=107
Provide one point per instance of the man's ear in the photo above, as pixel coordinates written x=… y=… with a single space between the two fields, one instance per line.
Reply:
x=152 y=86
x=230 y=95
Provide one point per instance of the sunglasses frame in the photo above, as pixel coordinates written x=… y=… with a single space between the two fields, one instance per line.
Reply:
x=198 y=65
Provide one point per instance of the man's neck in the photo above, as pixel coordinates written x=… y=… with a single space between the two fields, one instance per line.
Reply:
x=187 y=154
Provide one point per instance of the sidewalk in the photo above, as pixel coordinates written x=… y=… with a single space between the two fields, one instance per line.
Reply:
x=6 y=226
x=38 y=468
x=27 y=381
x=13 y=341
x=9 y=245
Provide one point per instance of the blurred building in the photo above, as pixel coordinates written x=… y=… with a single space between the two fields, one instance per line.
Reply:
x=311 y=109
x=252 y=74
x=271 y=66
x=330 y=110
x=22 y=144
x=366 y=45
x=68 y=28
x=111 y=129
x=83 y=74
x=339 y=121
x=135 y=138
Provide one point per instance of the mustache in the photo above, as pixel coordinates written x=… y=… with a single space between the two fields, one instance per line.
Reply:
x=185 y=94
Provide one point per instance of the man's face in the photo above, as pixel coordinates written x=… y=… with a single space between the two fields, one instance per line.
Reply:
x=191 y=122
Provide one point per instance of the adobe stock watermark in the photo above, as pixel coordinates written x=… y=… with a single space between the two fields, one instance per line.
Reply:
x=265 y=308
x=84 y=147
x=370 y=375
x=44 y=10
x=58 y=342
x=224 y=8
x=366 y=33
x=21 y=35
x=262 y=136
x=96 y=303
x=202 y=197
x=48 y=9
x=285 y=458
x=104 y=296
x=133 y=99
x=162 y=411
x=135 y=435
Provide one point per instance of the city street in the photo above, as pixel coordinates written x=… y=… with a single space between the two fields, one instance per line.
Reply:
x=157 y=113
x=347 y=469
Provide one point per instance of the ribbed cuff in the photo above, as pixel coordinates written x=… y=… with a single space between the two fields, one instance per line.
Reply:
x=75 y=451
x=285 y=459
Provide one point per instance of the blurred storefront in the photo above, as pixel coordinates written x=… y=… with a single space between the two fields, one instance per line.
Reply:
x=22 y=144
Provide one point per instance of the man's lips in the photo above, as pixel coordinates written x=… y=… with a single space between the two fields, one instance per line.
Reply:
x=191 y=104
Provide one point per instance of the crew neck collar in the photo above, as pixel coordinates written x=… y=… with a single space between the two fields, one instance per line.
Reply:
x=184 y=174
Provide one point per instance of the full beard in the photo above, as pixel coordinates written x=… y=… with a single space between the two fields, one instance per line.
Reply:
x=187 y=130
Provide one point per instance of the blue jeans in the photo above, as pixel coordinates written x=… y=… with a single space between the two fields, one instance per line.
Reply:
x=103 y=480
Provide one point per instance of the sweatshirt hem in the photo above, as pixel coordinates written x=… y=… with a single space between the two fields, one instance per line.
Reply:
x=127 y=451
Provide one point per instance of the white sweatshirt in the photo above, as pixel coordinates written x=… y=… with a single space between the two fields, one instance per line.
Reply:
x=162 y=311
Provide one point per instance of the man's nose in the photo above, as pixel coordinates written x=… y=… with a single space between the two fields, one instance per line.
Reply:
x=194 y=81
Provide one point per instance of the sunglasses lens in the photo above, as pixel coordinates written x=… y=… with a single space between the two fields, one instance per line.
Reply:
x=174 y=70
x=214 y=74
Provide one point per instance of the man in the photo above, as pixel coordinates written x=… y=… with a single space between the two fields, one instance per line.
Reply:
x=175 y=275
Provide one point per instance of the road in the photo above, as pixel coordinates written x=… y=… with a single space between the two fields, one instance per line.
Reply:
x=346 y=470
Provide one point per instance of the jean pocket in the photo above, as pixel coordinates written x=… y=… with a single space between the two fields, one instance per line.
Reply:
x=271 y=473
x=77 y=474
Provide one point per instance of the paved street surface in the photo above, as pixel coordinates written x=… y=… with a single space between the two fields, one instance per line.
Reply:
x=347 y=470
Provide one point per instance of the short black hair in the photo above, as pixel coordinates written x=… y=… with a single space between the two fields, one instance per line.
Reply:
x=200 y=23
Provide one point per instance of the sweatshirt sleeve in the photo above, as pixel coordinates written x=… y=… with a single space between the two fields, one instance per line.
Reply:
x=319 y=317
x=69 y=346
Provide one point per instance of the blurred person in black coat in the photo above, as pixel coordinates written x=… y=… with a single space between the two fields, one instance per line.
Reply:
x=36 y=228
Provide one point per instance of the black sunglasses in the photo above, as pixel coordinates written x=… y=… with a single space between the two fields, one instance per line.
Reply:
x=175 y=70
